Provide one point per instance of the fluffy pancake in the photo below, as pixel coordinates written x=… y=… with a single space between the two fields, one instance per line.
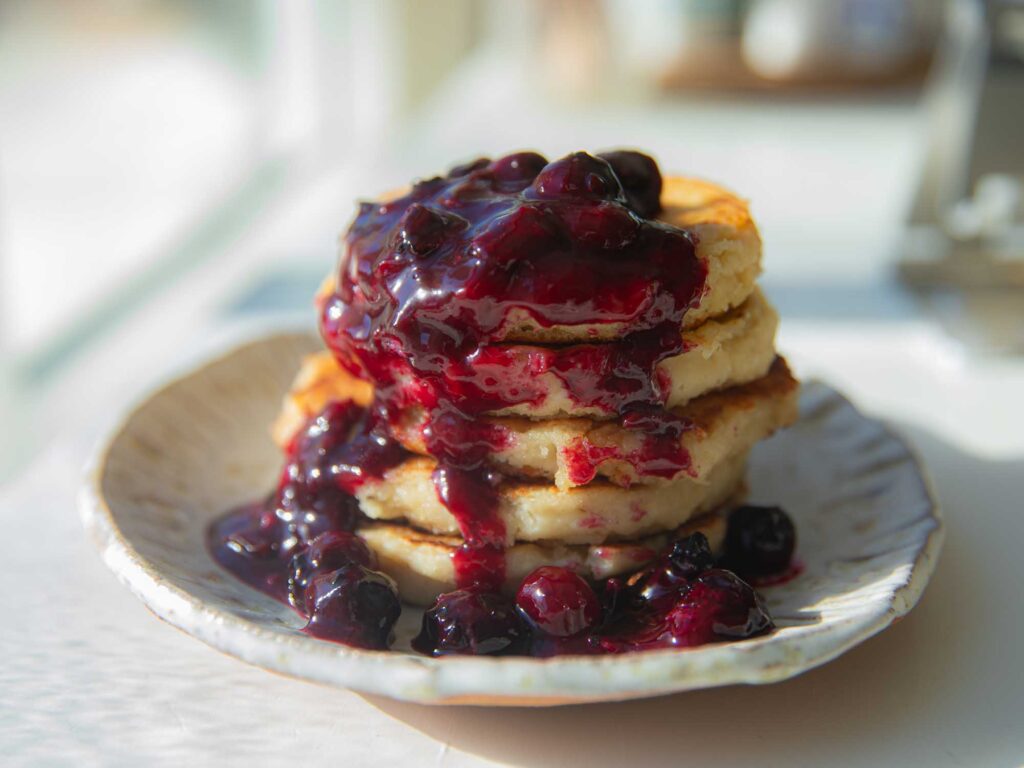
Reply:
x=421 y=562
x=727 y=242
x=735 y=348
x=571 y=451
x=535 y=511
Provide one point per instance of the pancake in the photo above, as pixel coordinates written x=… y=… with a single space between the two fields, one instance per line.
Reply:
x=320 y=381
x=735 y=348
x=727 y=243
x=421 y=562
x=596 y=513
x=730 y=349
x=570 y=452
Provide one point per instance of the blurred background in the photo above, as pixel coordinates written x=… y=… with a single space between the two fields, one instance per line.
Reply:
x=175 y=174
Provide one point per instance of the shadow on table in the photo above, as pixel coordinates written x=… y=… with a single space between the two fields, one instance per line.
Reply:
x=945 y=686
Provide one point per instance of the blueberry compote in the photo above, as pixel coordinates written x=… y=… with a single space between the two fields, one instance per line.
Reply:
x=431 y=290
x=681 y=600
x=297 y=546
x=432 y=286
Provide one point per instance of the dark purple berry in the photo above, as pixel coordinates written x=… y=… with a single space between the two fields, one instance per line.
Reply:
x=759 y=541
x=718 y=605
x=578 y=176
x=461 y=194
x=327 y=552
x=714 y=607
x=691 y=555
x=640 y=179
x=471 y=622
x=673 y=572
x=424 y=187
x=521 y=166
x=558 y=602
x=353 y=605
x=423 y=229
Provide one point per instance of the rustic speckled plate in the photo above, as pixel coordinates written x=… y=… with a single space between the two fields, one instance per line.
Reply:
x=869 y=531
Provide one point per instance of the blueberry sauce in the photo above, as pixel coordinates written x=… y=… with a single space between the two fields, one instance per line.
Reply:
x=716 y=605
x=681 y=600
x=302 y=531
x=246 y=542
x=660 y=452
x=432 y=283
x=310 y=559
x=430 y=291
x=327 y=552
x=472 y=498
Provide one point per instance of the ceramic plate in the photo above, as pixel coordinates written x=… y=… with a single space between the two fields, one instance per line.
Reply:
x=869 y=535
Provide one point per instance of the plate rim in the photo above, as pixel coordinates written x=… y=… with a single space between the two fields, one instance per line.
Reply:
x=456 y=680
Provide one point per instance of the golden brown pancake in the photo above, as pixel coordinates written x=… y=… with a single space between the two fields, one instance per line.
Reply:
x=733 y=349
x=569 y=452
x=536 y=511
x=421 y=562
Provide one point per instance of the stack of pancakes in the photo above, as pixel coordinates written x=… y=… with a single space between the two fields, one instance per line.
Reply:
x=606 y=518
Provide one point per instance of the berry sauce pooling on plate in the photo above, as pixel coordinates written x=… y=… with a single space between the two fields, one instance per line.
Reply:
x=432 y=285
x=680 y=600
x=302 y=531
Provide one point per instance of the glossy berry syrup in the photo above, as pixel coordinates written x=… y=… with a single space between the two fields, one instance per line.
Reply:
x=431 y=285
x=430 y=289
x=297 y=545
x=681 y=600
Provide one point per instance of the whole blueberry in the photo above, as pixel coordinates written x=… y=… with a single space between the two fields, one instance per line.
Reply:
x=578 y=176
x=640 y=178
x=423 y=229
x=464 y=169
x=558 y=601
x=759 y=541
x=471 y=622
x=519 y=235
x=663 y=580
x=518 y=167
x=353 y=605
x=327 y=552
x=718 y=605
x=691 y=555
